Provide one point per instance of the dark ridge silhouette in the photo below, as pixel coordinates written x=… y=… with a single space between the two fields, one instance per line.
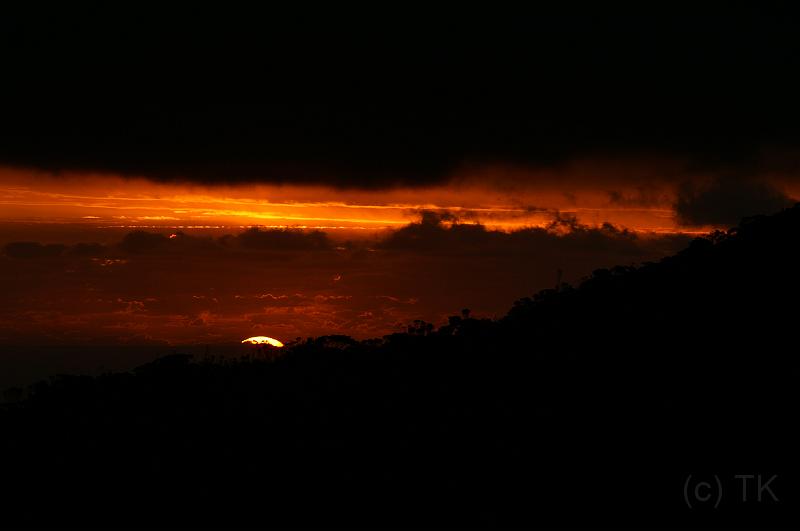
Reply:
x=584 y=405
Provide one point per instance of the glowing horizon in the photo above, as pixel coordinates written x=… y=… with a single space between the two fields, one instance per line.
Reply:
x=108 y=201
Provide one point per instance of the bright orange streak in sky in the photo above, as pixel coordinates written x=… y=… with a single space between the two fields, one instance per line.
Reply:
x=110 y=201
x=131 y=299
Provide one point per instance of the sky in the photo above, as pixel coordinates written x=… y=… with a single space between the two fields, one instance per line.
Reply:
x=175 y=178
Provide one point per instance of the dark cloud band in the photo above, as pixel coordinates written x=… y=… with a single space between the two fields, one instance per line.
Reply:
x=219 y=97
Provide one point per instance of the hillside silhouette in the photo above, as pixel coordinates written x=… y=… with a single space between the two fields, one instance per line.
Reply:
x=583 y=405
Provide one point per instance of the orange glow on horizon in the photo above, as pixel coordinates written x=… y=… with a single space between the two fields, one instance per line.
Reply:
x=362 y=290
x=108 y=201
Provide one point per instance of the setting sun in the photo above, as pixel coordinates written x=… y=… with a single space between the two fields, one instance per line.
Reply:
x=263 y=340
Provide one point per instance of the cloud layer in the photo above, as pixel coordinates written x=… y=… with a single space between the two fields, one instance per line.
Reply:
x=221 y=96
x=725 y=201
x=191 y=288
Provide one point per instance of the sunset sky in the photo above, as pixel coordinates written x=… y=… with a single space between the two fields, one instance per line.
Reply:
x=296 y=178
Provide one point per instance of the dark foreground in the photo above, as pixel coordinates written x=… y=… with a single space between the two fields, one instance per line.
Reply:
x=636 y=398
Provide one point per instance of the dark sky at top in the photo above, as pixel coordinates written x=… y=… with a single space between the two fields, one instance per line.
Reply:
x=392 y=95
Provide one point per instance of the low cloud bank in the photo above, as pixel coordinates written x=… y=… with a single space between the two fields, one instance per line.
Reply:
x=725 y=201
x=195 y=289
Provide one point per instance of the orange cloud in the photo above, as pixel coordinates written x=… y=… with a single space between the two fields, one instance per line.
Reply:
x=486 y=196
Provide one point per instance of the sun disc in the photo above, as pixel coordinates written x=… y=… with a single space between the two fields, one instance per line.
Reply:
x=263 y=340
